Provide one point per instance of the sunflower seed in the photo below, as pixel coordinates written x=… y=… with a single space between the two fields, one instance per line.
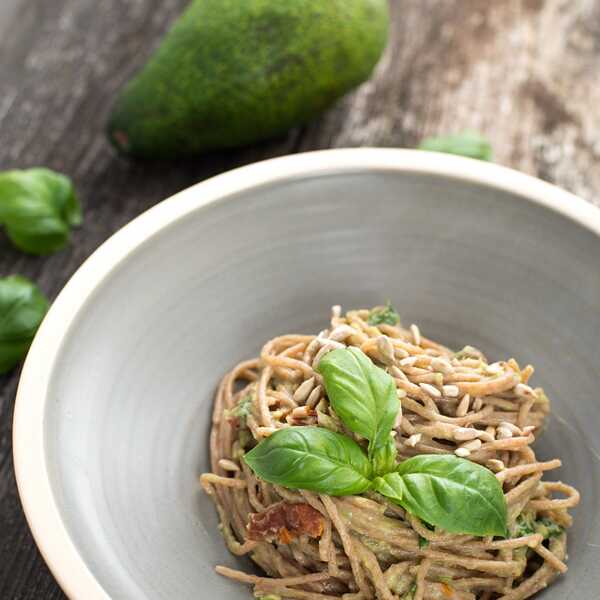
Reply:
x=228 y=465
x=265 y=431
x=462 y=452
x=302 y=412
x=465 y=433
x=463 y=406
x=413 y=440
x=472 y=446
x=336 y=311
x=314 y=397
x=416 y=333
x=503 y=433
x=495 y=465
x=385 y=349
x=304 y=390
x=441 y=365
x=341 y=333
x=485 y=436
x=429 y=389
x=511 y=427
x=451 y=391
x=522 y=389
x=409 y=361
x=322 y=352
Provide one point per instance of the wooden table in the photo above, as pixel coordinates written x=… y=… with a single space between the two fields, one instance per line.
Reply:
x=526 y=73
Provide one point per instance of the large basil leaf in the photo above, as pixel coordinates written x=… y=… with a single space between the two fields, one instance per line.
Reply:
x=38 y=207
x=312 y=458
x=362 y=395
x=22 y=308
x=455 y=494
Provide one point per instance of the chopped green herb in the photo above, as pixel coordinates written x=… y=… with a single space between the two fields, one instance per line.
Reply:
x=527 y=525
x=423 y=543
x=242 y=410
x=411 y=593
x=548 y=528
x=524 y=525
x=384 y=315
x=245 y=438
x=468 y=143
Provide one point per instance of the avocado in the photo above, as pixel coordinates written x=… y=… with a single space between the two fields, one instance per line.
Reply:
x=233 y=72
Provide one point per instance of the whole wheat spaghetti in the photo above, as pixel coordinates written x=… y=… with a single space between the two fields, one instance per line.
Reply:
x=317 y=547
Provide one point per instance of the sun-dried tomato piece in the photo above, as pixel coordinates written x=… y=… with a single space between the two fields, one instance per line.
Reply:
x=304 y=519
x=285 y=522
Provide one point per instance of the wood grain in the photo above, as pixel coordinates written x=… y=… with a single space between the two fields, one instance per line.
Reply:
x=526 y=73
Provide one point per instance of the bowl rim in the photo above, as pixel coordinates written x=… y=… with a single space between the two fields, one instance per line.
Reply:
x=32 y=474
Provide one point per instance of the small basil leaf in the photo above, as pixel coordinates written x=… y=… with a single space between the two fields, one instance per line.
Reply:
x=384 y=315
x=22 y=308
x=467 y=143
x=452 y=493
x=362 y=395
x=312 y=458
x=38 y=207
x=384 y=458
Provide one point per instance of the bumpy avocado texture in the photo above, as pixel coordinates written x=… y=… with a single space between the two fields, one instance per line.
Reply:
x=233 y=72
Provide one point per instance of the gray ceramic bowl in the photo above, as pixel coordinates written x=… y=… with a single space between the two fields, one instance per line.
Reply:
x=114 y=404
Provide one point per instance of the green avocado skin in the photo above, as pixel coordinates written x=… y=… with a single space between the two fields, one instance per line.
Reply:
x=233 y=72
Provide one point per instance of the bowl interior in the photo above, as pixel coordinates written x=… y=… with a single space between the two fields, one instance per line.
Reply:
x=128 y=413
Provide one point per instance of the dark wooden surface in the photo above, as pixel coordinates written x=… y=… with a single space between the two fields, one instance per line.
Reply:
x=524 y=72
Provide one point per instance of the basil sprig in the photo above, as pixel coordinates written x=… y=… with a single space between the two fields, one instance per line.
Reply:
x=457 y=495
x=312 y=458
x=445 y=491
x=22 y=308
x=38 y=208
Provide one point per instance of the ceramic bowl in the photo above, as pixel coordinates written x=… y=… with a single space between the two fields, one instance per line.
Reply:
x=114 y=404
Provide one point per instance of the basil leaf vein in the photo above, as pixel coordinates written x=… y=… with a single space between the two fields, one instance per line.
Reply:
x=312 y=458
x=362 y=395
x=452 y=493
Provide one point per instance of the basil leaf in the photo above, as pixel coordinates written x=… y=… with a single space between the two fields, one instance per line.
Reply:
x=384 y=458
x=362 y=395
x=384 y=314
x=312 y=458
x=22 y=308
x=38 y=207
x=452 y=493
x=467 y=143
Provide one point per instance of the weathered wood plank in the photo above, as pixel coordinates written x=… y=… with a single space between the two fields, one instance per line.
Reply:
x=523 y=72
